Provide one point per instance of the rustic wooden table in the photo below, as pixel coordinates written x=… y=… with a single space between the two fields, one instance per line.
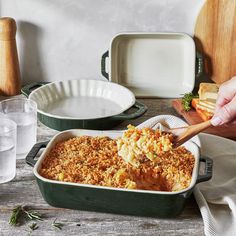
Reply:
x=23 y=190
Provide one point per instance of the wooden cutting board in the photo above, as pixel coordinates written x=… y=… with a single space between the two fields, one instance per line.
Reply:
x=215 y=36
x=192 y=118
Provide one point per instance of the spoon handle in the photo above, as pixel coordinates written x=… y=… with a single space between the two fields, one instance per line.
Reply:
x=191 y=131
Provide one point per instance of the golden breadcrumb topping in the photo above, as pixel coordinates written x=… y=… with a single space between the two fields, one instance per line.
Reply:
x=95 y=160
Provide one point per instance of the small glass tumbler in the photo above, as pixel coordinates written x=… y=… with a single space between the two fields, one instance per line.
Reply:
x=24 y=113
x=7 y=150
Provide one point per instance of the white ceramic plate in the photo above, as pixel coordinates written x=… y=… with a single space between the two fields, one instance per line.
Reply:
x=82 y=99
x=153 y=64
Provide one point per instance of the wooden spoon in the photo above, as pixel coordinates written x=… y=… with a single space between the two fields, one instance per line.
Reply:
x=183 y=134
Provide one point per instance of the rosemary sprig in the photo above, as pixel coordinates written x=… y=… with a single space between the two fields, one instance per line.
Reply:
x=33 y=215
x=16 y=214
x=57 y=224
x=33 y=226
x=20 y=212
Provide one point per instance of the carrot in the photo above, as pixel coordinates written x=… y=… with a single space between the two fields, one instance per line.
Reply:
x=194 y=102
x=204 y=114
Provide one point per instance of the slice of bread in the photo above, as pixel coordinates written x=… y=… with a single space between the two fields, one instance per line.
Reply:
x=205 y=108
x=208 y=104
x=208 y=91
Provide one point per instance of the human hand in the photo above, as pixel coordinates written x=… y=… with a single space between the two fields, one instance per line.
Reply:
x=225 y=111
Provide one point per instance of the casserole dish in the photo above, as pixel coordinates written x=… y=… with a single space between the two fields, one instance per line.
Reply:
x=109 y=199
x=153 y=64
x=86 y=104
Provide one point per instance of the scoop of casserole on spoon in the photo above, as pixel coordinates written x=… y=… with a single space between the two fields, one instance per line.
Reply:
x=153 y=142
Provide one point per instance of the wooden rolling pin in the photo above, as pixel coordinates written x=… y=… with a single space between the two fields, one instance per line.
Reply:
x=10 y=83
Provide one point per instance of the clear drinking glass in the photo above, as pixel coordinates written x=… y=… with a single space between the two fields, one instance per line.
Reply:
x=24 y=113
x=7 y=150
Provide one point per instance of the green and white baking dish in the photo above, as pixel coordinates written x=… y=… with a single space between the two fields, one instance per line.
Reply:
x=108 y=199
x=83 y=104
x=153 y=64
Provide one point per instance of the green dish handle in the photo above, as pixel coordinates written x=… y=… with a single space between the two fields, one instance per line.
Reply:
x=208 y=170
x=103 y=65
x=27 y=89
x=199 y=64
x=30 y=158
x=141 y=109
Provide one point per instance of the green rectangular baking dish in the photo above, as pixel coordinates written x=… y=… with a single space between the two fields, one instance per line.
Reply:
x=108 y=199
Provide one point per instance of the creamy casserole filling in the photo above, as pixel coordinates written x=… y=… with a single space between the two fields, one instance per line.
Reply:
x=149 y=163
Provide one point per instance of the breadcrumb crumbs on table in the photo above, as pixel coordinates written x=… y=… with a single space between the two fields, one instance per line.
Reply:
x=95 y=160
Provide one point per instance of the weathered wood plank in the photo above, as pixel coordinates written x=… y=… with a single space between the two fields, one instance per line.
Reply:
x=79 y=223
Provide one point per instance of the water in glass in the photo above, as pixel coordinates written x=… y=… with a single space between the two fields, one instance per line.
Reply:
x=26 y=130
x=7 y=150
x=7 y=160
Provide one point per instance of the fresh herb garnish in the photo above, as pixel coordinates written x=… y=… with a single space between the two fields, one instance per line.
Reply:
x=57 y=224
x=16 y=214
x=187 y=99
x=33 y=215
x=20 y=213
x=33 y=226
